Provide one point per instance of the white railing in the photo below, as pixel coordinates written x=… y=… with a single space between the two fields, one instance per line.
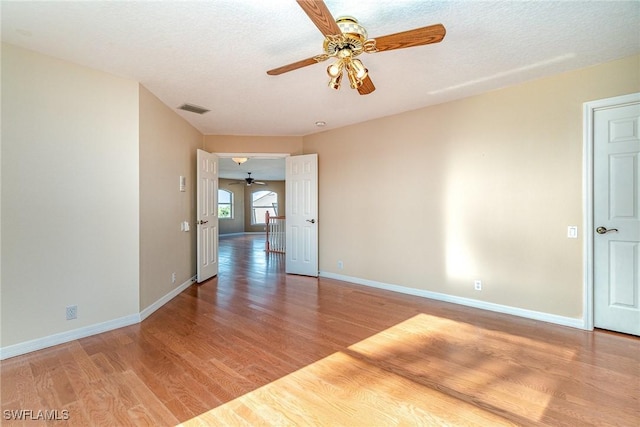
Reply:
x=276 y=238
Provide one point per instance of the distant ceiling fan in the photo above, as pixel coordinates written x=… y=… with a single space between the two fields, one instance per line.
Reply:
x=248 y=181
x=345 y=39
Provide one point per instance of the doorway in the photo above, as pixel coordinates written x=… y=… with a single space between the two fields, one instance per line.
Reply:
x=301 y=205
x=264 y=168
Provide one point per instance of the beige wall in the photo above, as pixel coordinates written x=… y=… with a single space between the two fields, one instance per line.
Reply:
x=253 y=144
x=275 y=186
x=70 y=193
x=481 y=188
x=168 y=147
x=235 y=224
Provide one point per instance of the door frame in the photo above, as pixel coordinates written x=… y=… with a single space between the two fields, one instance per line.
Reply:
x=250 y=155
x=589 y=109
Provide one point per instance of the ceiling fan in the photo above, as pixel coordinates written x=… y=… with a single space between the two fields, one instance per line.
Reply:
x=248 y=181
x=345 y=39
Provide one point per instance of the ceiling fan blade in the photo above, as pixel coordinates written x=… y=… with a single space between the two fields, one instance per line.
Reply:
x=319 y=14
x=259 y=183
x=411 y=38
x=367 y=86
x=293 y=66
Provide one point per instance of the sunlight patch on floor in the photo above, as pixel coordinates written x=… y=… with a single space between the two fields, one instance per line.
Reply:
x=402 y=375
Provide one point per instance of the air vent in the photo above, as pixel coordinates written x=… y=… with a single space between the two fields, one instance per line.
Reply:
x=193 y=108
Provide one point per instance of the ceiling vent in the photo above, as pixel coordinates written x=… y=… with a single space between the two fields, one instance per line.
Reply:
x=193 y=108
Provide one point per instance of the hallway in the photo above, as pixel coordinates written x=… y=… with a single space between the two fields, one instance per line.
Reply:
x=244 y=254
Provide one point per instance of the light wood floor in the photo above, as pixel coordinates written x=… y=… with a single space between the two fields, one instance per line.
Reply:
x=257 y=347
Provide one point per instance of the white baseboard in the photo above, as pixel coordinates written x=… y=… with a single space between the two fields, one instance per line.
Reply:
x=165 y=299
x=63 y=337
x=515 y=311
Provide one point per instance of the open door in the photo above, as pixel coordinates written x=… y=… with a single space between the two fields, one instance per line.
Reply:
x=616 y=217
x=207 y=216
x=302 y=215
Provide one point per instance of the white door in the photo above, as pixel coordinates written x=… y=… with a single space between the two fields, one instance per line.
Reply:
x=207 y=217
x=616 y=218
x=302 y=215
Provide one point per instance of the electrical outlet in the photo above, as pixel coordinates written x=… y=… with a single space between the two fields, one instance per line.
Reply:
x=72 y=312
x=173 y=277
x=477 y=285
x=340 y=265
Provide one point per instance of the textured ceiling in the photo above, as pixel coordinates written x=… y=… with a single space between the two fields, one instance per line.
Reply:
x=262 y=168
x=216 y=53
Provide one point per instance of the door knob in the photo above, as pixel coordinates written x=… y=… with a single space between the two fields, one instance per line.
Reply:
x=603 y=230
x=202 y=222
x=312 y=221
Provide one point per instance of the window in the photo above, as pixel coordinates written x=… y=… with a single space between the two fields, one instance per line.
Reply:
x=225 y=204
x=261 y=203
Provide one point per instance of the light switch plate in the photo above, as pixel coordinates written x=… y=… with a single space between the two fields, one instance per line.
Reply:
x=572 y=232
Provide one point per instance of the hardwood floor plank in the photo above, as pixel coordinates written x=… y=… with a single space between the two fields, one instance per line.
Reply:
x=51 y=382
x=254 y=346
x=77 y=416
x=153 y=407
x=15 y=372
x=138 y=416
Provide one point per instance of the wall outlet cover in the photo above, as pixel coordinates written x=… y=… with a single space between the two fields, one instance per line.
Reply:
x=72 y=312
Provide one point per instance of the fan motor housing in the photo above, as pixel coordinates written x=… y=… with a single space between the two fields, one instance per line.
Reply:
x=352 y=38
x=349 y=25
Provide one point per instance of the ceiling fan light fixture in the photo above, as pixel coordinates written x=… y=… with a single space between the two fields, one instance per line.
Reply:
x=354 y=81
x=356 y=71
x=358 y=67
x=334 y=83
x=335 y=69
x=239 y=160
